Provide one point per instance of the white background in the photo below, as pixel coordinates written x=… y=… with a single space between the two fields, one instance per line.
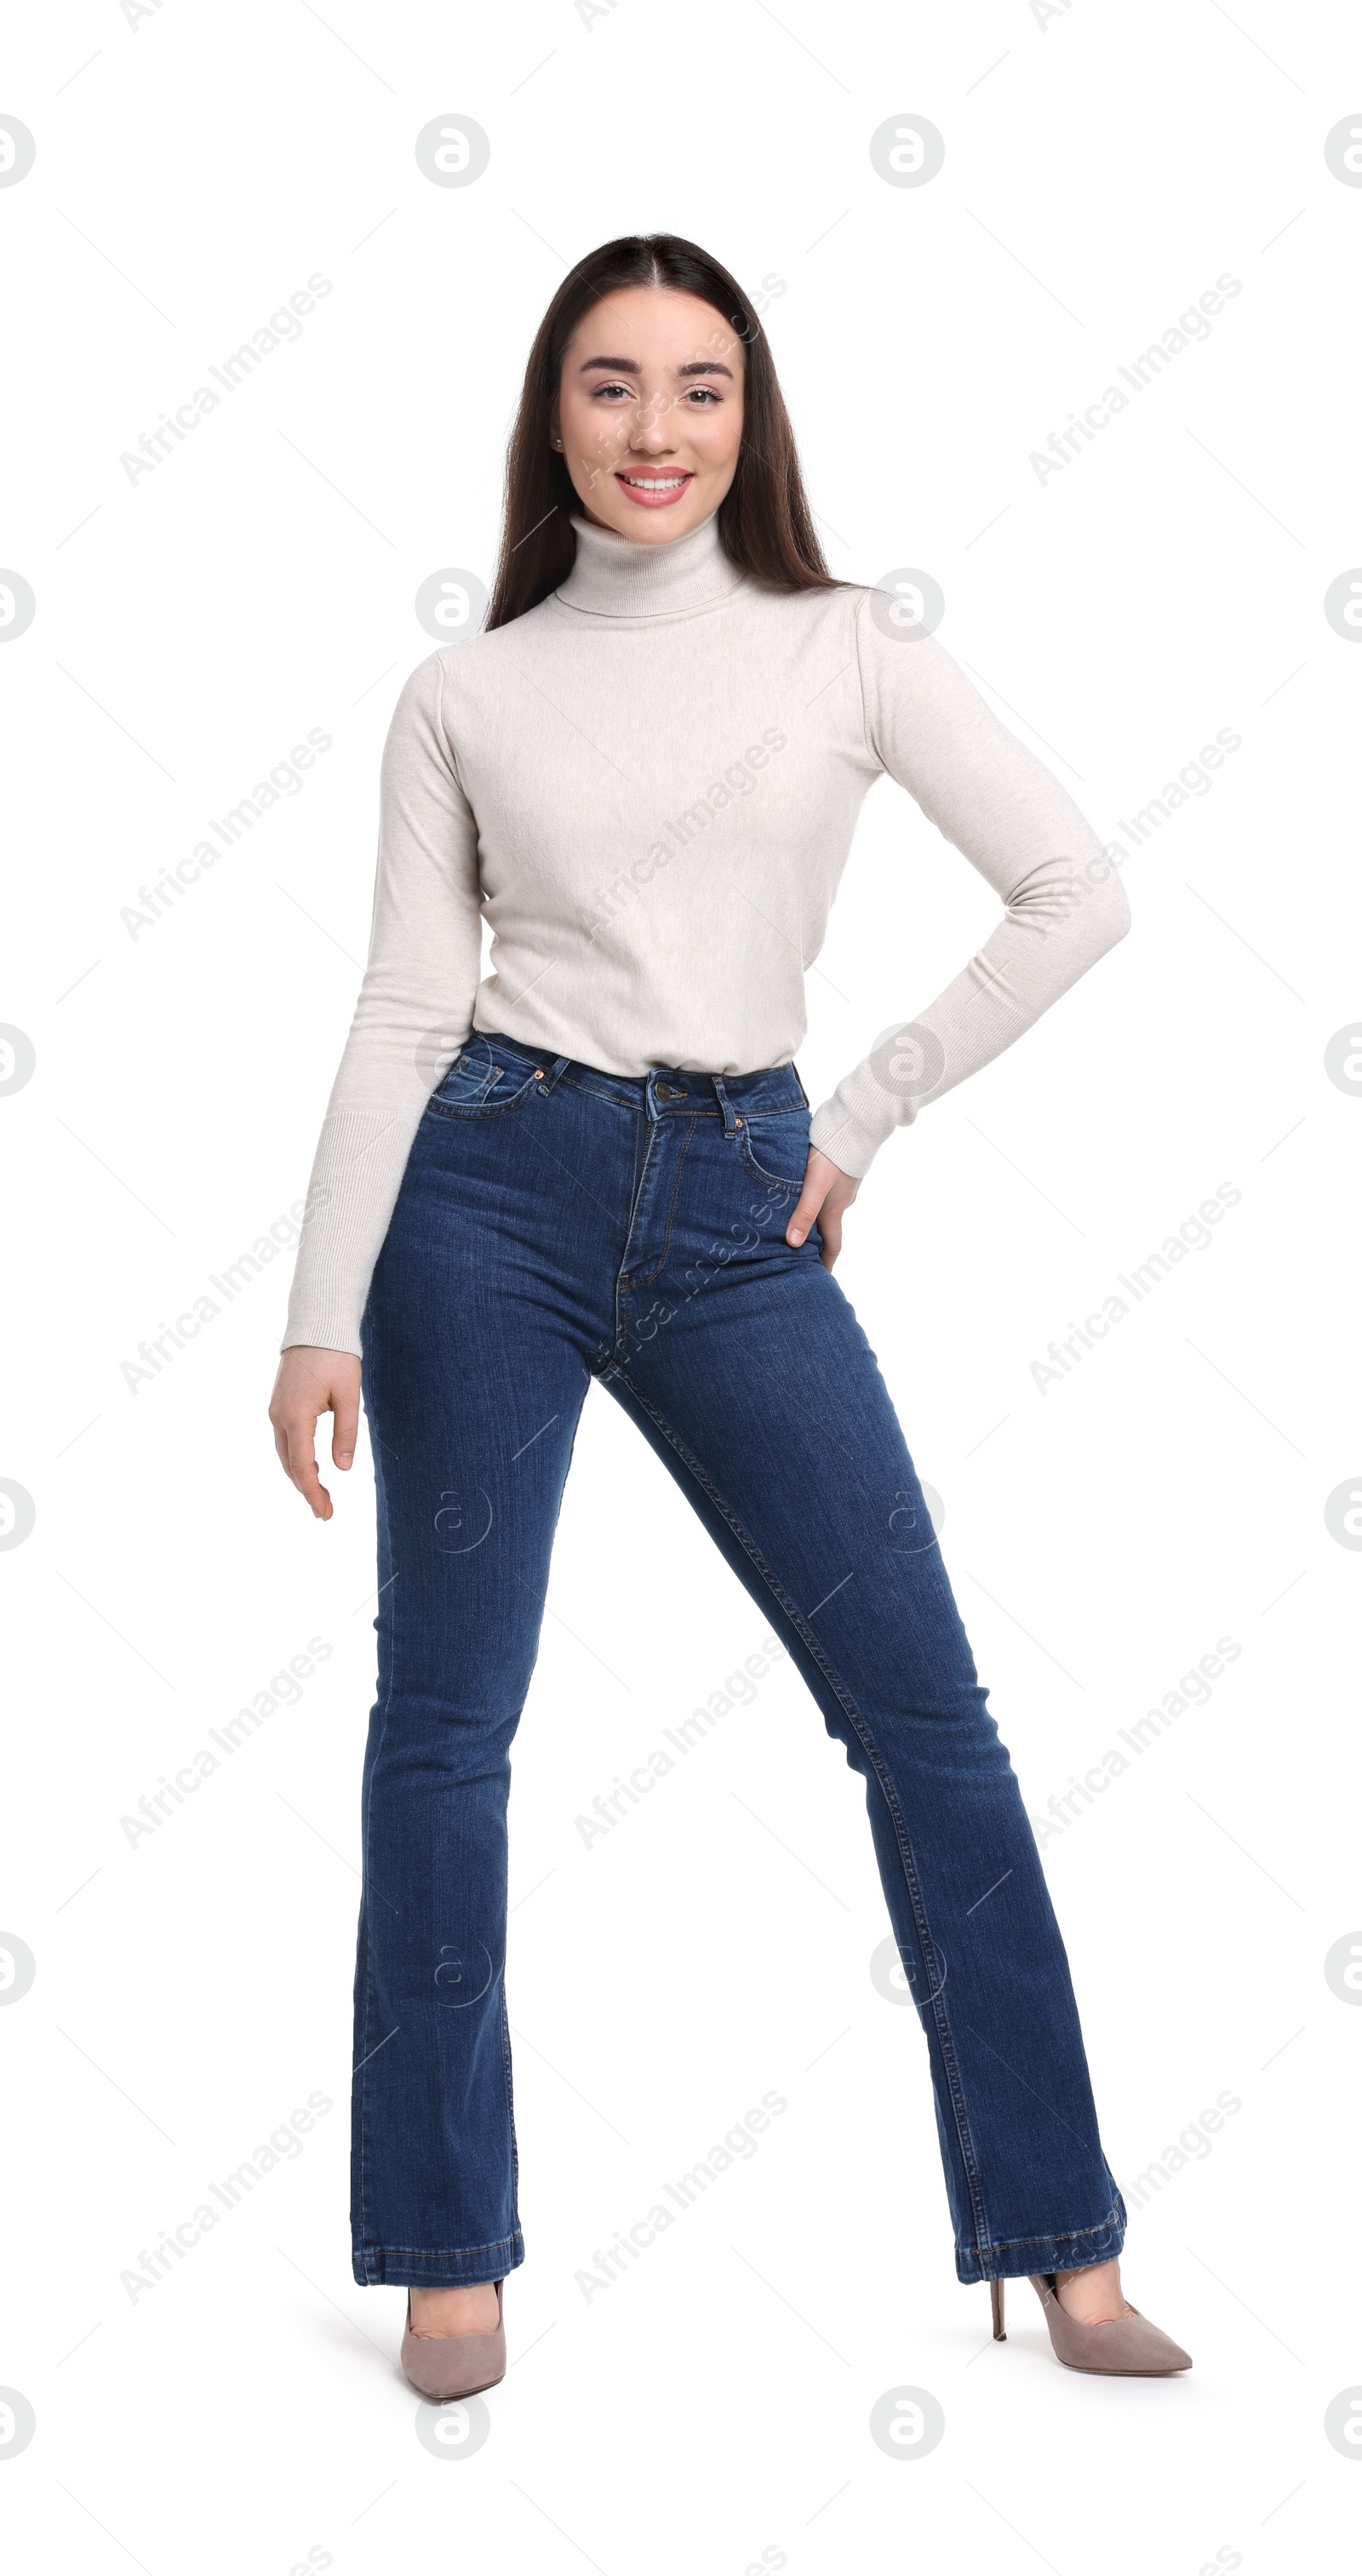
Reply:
x=1101 y=171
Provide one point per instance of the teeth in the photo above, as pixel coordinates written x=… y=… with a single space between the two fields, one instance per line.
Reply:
x=656 y=482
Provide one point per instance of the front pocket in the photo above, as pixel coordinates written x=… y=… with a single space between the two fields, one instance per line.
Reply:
x=476 y=1087
x=468 y=1079
x=775 y=1149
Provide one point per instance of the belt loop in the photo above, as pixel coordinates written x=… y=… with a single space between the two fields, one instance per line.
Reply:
x=560 y=1065
x=726 y=1105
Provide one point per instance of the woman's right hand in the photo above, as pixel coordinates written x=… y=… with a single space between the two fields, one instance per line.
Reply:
x=310 y=1383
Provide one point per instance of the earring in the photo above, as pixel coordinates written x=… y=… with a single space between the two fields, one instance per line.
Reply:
x=558 y=442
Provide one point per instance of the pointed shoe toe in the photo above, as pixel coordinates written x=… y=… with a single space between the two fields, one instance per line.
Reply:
x=1121 y=2347
x=445 y=2366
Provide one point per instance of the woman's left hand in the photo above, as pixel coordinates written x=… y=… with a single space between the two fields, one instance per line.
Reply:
x=826 y=1192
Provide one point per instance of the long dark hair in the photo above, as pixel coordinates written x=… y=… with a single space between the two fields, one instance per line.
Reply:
x=765 y=523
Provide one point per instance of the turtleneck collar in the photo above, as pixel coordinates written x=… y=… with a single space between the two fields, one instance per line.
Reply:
x=614 y=577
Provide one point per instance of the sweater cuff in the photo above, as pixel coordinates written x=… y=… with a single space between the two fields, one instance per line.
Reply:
x=846 y=1140
x=323 y=1331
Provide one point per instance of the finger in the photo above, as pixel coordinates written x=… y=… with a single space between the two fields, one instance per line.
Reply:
x=301 y=1430
x=810 y=1200
x=830 y=1227
x=344 y=1428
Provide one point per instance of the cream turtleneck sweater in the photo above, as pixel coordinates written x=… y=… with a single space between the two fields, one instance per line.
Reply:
x=648 y=785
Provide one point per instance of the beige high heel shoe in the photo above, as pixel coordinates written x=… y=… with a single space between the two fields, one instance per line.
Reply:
x=443 y=2366
x=1120 y=2348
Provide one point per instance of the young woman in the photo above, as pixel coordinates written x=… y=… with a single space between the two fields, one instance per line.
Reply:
x=598 y=1162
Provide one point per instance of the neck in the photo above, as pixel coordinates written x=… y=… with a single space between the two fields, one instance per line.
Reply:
x=612 y=576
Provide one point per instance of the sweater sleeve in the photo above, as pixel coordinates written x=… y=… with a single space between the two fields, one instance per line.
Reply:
x=1064 y=904
x=415 y=1011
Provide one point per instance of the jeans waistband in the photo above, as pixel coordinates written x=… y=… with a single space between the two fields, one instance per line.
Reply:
x=667 y=1090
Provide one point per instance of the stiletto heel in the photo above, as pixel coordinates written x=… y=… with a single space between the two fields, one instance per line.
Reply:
x=1120 y=2347
x=995 y=2292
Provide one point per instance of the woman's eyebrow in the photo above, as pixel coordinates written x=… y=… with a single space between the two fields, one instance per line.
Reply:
x=627 y=367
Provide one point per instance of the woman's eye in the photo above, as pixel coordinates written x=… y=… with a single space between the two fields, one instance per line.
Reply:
x=701 y=395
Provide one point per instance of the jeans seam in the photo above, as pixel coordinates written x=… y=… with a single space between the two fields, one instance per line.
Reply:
x=499 y=2245
x=364 y=2156
x=510 y=2106
x=645 y=1278
x=647 y=1134
x=1046 y=2236
x=983 y=2254
x=815 y=1648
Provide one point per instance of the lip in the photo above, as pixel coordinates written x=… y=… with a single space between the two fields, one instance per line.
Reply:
x=653 y=500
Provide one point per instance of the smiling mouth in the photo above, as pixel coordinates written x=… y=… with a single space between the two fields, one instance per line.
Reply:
x=654 y=491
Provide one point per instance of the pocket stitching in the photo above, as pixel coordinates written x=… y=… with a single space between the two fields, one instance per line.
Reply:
x=773 y=1180
x=479 y=1081
x=437 y=1108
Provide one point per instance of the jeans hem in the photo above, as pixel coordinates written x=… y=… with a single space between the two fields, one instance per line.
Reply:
x=1067 y=2249
x=437 y=2267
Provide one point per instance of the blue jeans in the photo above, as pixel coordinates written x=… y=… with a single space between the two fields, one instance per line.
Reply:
x=555 y=1224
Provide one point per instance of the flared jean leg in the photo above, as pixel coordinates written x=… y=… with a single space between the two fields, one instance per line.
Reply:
x=472 y=1425
x=766 y=1404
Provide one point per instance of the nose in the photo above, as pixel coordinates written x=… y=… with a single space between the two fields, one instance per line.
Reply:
x=650 y=428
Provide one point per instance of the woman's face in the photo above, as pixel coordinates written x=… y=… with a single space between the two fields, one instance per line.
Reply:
x=649 y=411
